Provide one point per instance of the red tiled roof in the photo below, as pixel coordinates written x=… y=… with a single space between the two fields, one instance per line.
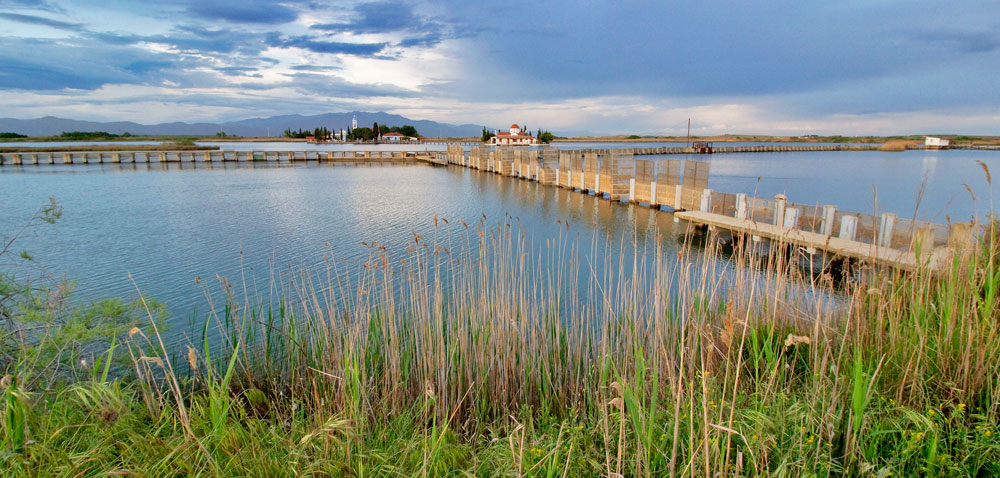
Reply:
x=515 y=126
x=393 y=134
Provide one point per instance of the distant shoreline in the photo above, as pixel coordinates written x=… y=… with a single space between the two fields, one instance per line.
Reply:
x=186 y=141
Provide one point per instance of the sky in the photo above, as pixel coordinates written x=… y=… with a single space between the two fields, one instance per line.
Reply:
x=851 y=67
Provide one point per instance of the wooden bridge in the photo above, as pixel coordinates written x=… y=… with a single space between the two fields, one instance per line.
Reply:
x=701 y=148
x=211 y=156
x=682 y=185
x=622 y=174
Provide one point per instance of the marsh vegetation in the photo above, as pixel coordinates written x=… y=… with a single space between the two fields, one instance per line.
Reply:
x=481 y=353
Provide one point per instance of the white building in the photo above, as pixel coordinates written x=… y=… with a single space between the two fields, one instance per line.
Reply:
x=932 y=142
x=515 y=137
x=394 y=137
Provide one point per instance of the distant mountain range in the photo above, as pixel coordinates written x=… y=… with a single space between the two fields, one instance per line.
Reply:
x=273 y=126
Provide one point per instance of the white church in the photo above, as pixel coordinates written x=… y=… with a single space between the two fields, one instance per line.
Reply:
x=515 y=137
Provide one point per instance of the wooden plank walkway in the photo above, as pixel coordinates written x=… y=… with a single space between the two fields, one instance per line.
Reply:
x=938 y=260
x=212 y=156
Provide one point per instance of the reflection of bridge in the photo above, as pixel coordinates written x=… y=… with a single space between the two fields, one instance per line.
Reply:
x=683 y=186
x=115 y=157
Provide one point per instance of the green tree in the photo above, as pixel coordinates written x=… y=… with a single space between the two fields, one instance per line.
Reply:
x=546 y=137
x=487 y=134
x=409 y=130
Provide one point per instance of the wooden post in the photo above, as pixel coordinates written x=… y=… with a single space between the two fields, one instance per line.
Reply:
x=791 y=219
x=741 y=206
x=885 y=229
x=960 y=235
x=848 y=227
x=924 y=237
x=829 y=216
x=779 y=210
x=706 y=200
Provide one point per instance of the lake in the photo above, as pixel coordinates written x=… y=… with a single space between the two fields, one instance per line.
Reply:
x=168 y=224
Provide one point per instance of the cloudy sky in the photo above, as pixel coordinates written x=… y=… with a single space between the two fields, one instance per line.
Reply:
x=575 y=67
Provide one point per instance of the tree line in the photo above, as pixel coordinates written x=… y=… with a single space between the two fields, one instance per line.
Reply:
x=321 y=133
x=356 y=134
x=371 y=134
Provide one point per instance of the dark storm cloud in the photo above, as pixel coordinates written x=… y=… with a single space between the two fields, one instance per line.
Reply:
x=36 y=20
x=960 y=41
x=270 y=13
x=324 y=46
x=377 y=17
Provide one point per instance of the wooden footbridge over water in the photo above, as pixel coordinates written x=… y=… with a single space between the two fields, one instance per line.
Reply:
x=628 y=174
x=216 y=156
x=622 y=175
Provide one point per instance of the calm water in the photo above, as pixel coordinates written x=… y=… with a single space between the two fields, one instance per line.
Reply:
x=167 y=224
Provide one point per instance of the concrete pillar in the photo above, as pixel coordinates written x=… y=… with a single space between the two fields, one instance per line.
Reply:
x=779 y=210
x=741 y=206
x=829 y=216
x=557 y=178
x=677 y=198
x=652 y=193
x=791 y=219
x=885 y=229
x=67 y=158
x=706 y=200
x=848 y=227
x=570 y=177
x=115 y=158
x=631 y=190
x=597 y=182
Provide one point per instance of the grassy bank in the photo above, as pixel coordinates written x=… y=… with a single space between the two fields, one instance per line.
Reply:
x=482 y=354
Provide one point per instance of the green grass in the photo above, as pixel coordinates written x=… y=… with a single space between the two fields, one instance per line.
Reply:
x=456 y=357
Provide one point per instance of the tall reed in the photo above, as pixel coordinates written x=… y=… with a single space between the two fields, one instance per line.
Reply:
x=694 y=364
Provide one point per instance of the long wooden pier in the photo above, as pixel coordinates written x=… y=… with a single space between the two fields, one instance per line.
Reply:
x=633 y=175
x=682 y=185
x=211 y=156
x=937 y=258
x=751 y=148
